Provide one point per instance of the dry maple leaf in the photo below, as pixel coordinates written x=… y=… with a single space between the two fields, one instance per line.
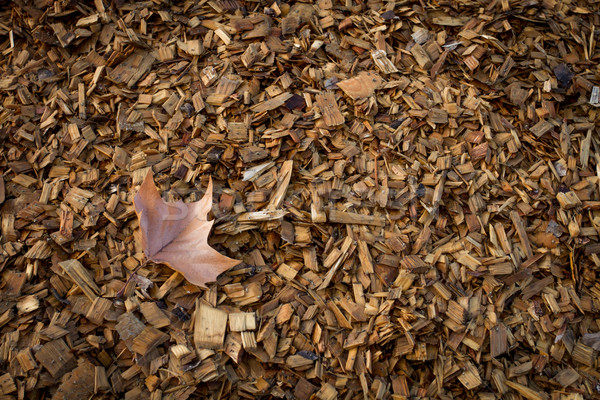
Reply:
x=176 y=234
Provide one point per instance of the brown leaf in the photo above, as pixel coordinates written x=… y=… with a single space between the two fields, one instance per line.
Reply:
x=177 y=234
x=546 y=239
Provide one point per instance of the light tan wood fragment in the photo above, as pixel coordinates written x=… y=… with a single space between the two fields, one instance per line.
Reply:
x=81 y=277
x=329 y=109
x=209 y=327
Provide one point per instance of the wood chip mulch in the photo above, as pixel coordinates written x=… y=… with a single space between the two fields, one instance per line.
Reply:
x=413 y=187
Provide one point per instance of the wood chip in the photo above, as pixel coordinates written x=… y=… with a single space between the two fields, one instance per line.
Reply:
x=413 y=189
x=209 y=327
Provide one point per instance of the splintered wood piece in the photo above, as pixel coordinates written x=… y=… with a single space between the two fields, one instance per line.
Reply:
x=133 y=68
x=7 y=384
x=335 y=260
x=249 y=340
x=382 y=62
x=285 y=174
x=525 y=391
x=343 y=217
x=78 y=198
x=2 y=190
x=364 y=257
x=583 y=354
x=26 y=360
x=56 y=357
x=129 y=327
x=470 y=377
x=174 y=280
x=208 y=75
x=316 y=208
x=101 y=383
x=265 y=215
x=541 y=128
x=148 y=340
x=568 y=200
x=54 y=332
x=251 y=55
x=327 y=392
x=191 y=47
x=421 y=56
x=98 y=309
x=64 y=37
x=28 y=304
x=297 y=361
x=567 y=377
x=251 y=154
x=329 y=109
x=498 y=340
x=154 y=315
x=304 y=389
x=271 y=104
x=233 y=346
x=414 y=264
x=287 y=272
x=518 y=224
x=81 y=277
x=456 y=312
x=302 y=235
x=438 y=116
x=237 y=131
x=209 y=327
x=239 y=322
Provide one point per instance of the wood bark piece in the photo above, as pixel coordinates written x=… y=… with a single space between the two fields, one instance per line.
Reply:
x=77 y=384
x=298 y=15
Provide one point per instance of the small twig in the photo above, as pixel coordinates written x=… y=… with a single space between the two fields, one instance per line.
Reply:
x=121 y=292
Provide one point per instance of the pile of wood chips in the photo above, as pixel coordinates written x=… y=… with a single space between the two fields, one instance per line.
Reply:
x=413 y=187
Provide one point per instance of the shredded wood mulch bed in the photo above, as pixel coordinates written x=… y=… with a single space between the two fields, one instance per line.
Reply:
x=413 y=188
